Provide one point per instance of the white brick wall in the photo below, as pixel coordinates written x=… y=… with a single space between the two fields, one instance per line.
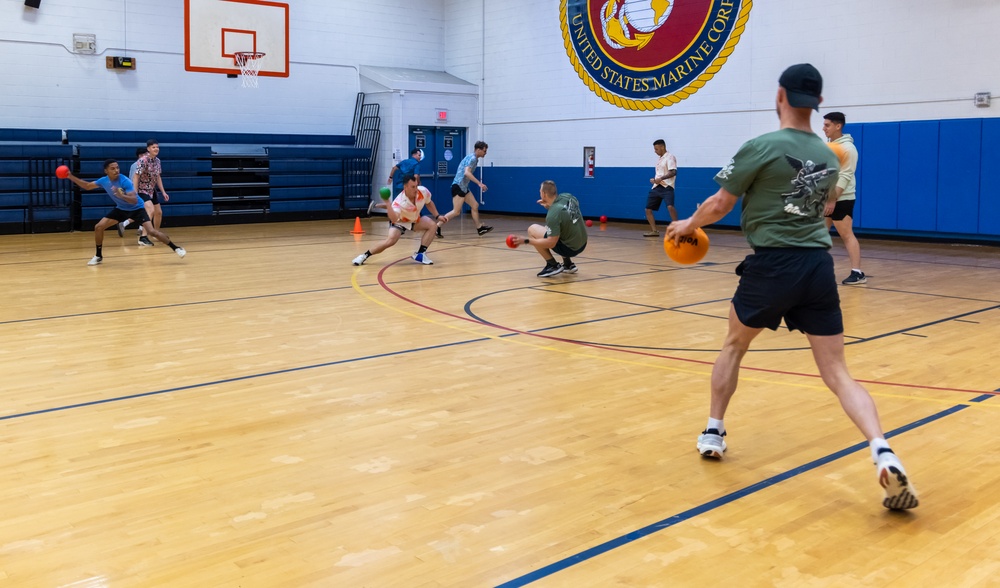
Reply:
x=887 y=60
x=895 y=60
x=46 y=86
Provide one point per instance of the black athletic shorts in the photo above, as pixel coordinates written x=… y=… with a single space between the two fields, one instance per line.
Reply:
x=660 y=194
x=155 y=198
x=843 y=209
x=563 y=250
x=401 y=227
x=138 y=216
x=795 y=284
x=456 y=191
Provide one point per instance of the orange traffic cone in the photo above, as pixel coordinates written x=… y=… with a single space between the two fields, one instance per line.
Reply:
x=357 y=230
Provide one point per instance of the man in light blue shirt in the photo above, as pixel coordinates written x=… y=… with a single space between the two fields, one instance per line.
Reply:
x=460 y=194
x=128 y=206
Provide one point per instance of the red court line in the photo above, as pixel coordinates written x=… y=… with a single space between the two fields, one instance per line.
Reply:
x=385 y=286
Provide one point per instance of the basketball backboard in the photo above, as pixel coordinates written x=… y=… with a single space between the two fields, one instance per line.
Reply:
x=215 y=30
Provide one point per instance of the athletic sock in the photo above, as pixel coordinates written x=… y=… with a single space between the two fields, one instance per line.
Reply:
x=172 y=246
x=877 y=444
x=716 y=424
x=422 y=249
x=99 y=247
x=126 y=222
x=854 y=269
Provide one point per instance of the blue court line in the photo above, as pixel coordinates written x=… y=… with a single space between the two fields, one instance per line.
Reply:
x=718 y=502
x=237 y=379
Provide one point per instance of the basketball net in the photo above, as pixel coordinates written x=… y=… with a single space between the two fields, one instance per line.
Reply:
x=249 y=64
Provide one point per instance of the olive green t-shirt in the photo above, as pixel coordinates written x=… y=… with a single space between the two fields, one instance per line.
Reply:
x=565 y=221
x=785 y=178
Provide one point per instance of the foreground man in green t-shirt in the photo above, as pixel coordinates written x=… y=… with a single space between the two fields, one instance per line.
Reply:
x=786 y=179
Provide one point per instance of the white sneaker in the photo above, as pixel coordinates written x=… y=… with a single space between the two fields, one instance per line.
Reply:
x=95 y=260
x=422 y=258
x=180 y=251
x=371 y=207
x=899 y=492
x=360 y=260
x=711 y=444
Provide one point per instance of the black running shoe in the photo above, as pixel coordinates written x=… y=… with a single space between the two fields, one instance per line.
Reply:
x=484 y=229
x=550 y=269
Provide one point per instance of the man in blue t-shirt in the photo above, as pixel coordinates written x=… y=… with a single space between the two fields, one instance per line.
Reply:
x=127 y=207
x=460 y=194
x=407 y=167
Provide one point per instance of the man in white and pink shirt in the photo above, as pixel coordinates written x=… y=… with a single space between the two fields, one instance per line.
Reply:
x=663 y=187
x=405 y=209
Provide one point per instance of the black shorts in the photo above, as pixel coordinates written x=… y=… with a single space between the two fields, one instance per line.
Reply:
x=137 y=216
x=456 y=191
x=842 y=210
x=795 y=284
x=660 y=194
x=564 y=251
x=401 y=227
x=155 y=198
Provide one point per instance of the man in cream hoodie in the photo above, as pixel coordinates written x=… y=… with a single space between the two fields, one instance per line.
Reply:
x=842 y=216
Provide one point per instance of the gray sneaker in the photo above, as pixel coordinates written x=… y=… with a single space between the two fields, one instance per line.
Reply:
x=711 y=443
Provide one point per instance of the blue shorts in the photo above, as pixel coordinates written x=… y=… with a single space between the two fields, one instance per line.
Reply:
x=660 y=194
x=797 y=285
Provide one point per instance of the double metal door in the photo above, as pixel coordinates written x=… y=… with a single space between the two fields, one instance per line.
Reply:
x=444 y=148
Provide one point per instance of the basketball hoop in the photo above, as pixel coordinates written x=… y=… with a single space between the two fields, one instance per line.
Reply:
x=249 y=64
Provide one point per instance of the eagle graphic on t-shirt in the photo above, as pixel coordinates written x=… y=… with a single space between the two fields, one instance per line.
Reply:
x=808 y=196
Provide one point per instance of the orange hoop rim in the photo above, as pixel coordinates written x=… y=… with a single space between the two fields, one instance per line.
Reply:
x=245 y=56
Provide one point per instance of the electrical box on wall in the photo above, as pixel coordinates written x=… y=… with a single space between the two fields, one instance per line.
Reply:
x=119 y=62
x=982 y=99
x=84 y=43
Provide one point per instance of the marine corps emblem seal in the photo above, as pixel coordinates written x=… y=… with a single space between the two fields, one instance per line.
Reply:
x=647 y=54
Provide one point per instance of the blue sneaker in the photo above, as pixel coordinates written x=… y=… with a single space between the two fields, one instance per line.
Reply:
x=422 y=258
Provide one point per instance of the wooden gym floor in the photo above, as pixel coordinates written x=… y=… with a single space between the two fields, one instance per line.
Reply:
x=262 y=413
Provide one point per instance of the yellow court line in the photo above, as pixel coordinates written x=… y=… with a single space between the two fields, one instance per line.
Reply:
x=357 y=288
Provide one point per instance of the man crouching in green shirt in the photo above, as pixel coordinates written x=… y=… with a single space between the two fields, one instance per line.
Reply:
x=563 y=233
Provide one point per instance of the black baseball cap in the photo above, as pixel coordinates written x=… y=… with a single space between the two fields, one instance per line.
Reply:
x=803 y=85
